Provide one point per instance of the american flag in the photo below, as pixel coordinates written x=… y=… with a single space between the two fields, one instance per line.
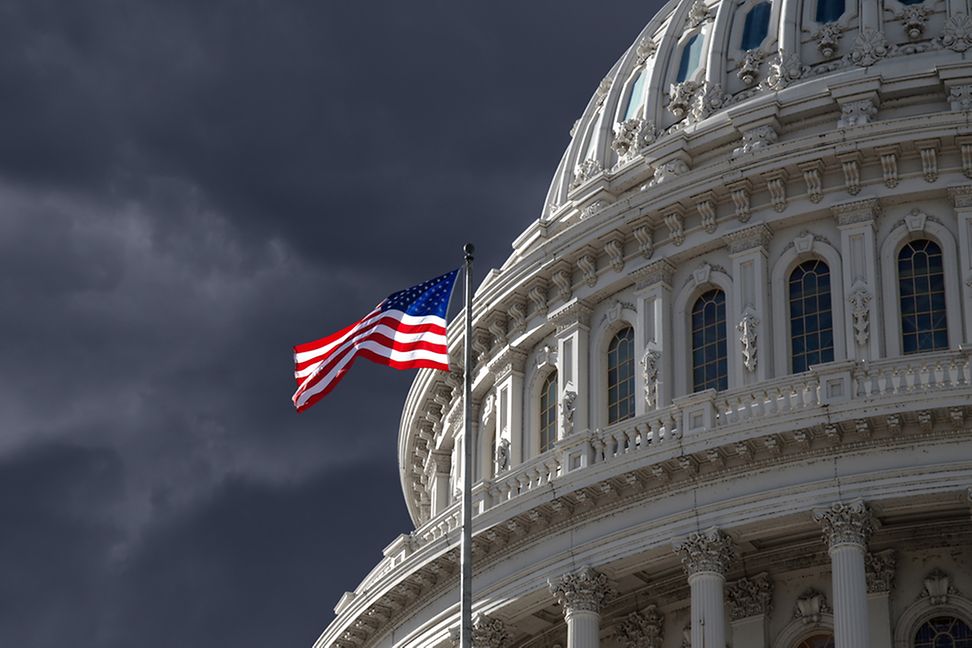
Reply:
x=406 y=330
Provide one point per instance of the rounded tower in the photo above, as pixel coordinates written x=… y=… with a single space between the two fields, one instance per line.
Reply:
x=723 y=384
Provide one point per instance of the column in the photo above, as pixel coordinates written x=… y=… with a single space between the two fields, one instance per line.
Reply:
x=507 y=369
x=706 y=557
x=750 y=604
x=748 y=315
x=962 y=199
x=859 y=265
x=582 y=595
x=573 y=338
x=846 y=529
x=653 y=336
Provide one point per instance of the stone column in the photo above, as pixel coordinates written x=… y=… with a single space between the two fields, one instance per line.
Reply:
x=573 y=338
x=846 y=530
x=653 y=336
x=582 y=595
x=859 y=265
x=706 y=557
x=748 y=317
x=750 y=604
x=962 y=198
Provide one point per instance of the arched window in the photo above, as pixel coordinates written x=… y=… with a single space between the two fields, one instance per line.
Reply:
x=943 y=632
x=620 y=380
x=811 y=317
x=817 y=641
x=756 y=26
x=548 y=412
x=829 y=10
x=637 y=90
x=709 y=359
x=921 y=287
x=691 y=57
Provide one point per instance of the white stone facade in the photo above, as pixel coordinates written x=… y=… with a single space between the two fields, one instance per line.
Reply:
x=789 y=504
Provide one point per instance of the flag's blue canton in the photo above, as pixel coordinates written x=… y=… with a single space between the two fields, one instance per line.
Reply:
x=428 y=298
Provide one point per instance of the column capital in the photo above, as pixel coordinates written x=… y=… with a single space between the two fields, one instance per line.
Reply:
x=961 y=196
x=656 y=272
x=642 y=629
x=750 y=596
x=489 y=632
x=857 y=211
x=584 y=591
x=509 y=360
x=845 y=524
x=749 y=238
x=879 y=569
x=706 y=551
x=574 y=313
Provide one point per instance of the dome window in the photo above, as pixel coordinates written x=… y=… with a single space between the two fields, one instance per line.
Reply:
x=710 y=369
x=637 y=90
x=756 y=26
x=691 y=58
x=548 y=412
x=921 y=289
x=944 y=632
x=621 y=376
x=811 y=317
x=829 y=10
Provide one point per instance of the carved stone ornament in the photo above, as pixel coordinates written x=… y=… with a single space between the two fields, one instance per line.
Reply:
x=668 y=170
x=585 y=171
x=584 y=591
x=490 y=633
x=650 y=364
x=538 y=296
x=960 y=98
x=845 y=523
x=698 y=14
x=856 y=113
x=630 y=136
x=749 y=597
x=645 y=237
x=748 y=71
x=812 y=176
x=676 y=227
x=748 y=329
x=547 y=357
x=646 y=49
x=828 y=39
x=603 y=88
x=706 y=205
x=914 y=17
x=870 y=46
x=784 y=69
x=860 y=300
x=710 y=98
x=680 y=98
x=641 y=629
x=517 y=315
x=958 y=32
x=706 y=551
x=811 y=607
x=502 y=455
x=587 y=264
x=937 y=587
x=880 y=571
x=488 y=409
x=756 y=139
x=567 y=406
x=614 y=249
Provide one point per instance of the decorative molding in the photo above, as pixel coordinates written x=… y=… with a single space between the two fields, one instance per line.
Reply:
x=584 y=591
x=706 y=205
x=813 y=177
x=828 y=39
x=889 y=164
x=842 y=523
x=748 y=71
x=568 y=404
x=642 y=629
x=859 y=211
x=680 y=98
x=957 y=34
x=810 y=607
x=645 y=50
x=614 y=250
x=564 y=281
x=490 y=633
x=856 y=113
x=784 y=69
x=576 y=312
x=709 y=98
x=748 y=332
x=632 y=135
x=537 y=293
x=749 y=597
x=880 y=571
x=645 y=237
x=937 y=587
x=667 y=171
x=928 y=149
x=659 y=271
x=675 y=220
x=870 y=46
x=913 y=19
x=586 y=171
x=706 y=551
x=739 y=191
x=587 y=264
x=961 y=196
x=517 y=316
x=650 y=364
x=860 y=299
x=960 y=98
x=915 y=220
x=755 y=139
x=697 y=14
x=776 y=186
x=755 y=236
x=850 y=163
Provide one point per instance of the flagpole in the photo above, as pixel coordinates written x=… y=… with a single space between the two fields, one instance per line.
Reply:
x=465 y=550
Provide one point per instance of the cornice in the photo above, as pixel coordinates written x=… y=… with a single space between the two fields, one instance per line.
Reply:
x=858 y=211
x=757 y=236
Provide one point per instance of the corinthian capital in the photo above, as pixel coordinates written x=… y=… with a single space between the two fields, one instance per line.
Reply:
x=845 y=523
x=490 y=633
x=706 y=551
x=641 y=629
x=583 y=591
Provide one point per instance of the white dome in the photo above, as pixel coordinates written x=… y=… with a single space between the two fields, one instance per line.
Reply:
x=743 y=318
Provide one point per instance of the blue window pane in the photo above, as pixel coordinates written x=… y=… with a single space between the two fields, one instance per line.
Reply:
x=637 y=89
x=621 y=376
x=829 y=10
x=709 y=366
x=811 y=318
x=921 y=294
x=691 y=55
x=756 y=26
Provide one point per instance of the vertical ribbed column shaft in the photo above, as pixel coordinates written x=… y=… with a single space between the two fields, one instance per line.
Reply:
x=708 y=609
x=583 y=629
x=847 y=528
x=851 y=628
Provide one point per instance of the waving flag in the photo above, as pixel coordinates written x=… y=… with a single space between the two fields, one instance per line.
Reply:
x=406 y=330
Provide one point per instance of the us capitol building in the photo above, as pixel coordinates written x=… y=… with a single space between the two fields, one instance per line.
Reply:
x=723 y=385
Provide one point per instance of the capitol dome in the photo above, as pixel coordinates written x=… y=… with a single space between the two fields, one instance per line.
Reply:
x=723 y=384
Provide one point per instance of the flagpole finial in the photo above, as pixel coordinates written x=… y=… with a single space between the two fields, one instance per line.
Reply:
x=468 y=248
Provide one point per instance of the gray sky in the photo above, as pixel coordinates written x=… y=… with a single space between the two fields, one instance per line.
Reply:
x=187 y=189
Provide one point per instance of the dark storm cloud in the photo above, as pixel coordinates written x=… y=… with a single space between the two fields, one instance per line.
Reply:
x=186 y=190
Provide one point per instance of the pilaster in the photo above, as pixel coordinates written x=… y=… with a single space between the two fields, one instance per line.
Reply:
x=856 y=222
x=962 y=199
x=507 y=369
x=440 y=465
x=573 y=339
x=653 y=337
x=749 y=317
